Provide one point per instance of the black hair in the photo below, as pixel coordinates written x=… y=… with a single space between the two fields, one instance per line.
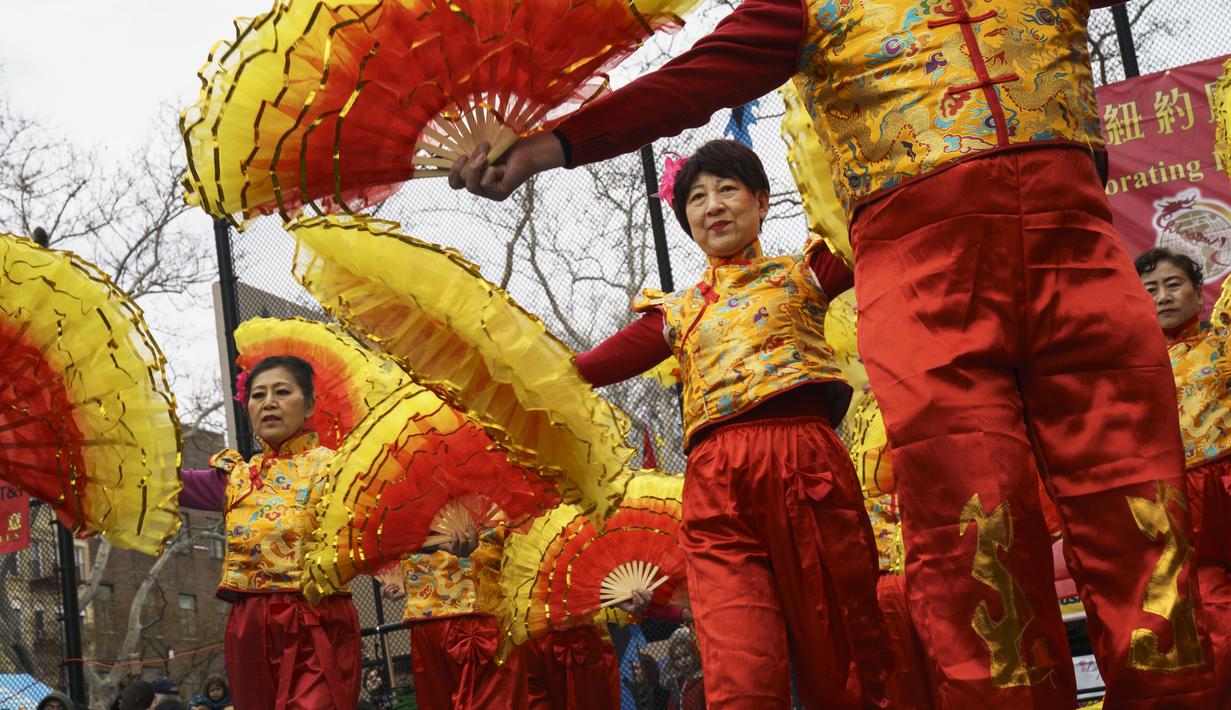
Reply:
x=724 y=158
x=1148 y=261
x=299 y=368
x=213 y=680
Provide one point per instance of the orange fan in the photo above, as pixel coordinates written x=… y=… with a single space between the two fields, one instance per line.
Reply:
x=411 y=474
x=335 y=104
x=348 y=378
x=564 y=570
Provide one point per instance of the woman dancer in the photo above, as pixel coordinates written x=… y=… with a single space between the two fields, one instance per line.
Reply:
x=280 y=650
x=770 y=493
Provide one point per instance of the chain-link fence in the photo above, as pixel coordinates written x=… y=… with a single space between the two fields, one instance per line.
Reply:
x=30 y=615
x=574 y=247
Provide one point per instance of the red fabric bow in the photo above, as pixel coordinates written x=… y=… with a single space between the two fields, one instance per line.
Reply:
x=569 y=649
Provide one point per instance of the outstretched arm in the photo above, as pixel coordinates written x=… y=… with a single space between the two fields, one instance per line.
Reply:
x=636 y=348
x=750 y=53
x=204 y=489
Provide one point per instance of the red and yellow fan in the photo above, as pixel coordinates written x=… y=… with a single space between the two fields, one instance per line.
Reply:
x=349 y=378
x=335 y=103
x=564 y=570
x=411 y=474
x=87 y=420
x=468 y=341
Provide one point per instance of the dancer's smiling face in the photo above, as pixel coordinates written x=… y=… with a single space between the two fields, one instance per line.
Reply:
x=724 y=215
x=277 y=405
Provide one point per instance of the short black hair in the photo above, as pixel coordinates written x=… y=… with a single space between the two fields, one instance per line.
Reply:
x=1148 y=261
x=724 y=158
x=299 y=368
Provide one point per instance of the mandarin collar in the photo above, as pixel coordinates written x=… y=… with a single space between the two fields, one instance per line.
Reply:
x=301 y=442
x=1187 y=330
x=747 y=254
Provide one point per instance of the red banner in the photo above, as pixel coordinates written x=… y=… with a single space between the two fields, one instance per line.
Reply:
x=1166 y=186
x=14 y=519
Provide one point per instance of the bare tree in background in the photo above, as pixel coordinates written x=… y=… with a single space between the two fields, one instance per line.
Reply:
x=126 y=219
x=1147 y=27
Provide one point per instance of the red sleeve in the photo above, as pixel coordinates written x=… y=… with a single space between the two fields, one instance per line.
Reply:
x=753 y=51
x=831 y=272
x=636 y=348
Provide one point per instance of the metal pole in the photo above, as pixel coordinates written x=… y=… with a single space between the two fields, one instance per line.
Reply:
x=68 y=583
x=229 y=285
x=72 y=615
x=657 y=225
x=384 y=640
x=1124 y=35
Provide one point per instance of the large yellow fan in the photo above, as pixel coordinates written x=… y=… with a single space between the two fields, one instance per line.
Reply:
x=812 y=169
x=87 y=421
x=469 y=342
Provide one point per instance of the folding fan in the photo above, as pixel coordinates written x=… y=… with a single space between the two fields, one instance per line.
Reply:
x=349 y=379
x=334 y=103
x=87 y=420
x=410 y=474
x=563 y=569
x=812 y=168
x=469 y=342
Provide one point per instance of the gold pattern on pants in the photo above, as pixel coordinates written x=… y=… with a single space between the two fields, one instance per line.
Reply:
x=1003 y=637
x=1162 y=596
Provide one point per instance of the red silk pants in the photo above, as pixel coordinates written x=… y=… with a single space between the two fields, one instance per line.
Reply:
x=453 y=659
x=1211 y=484
x=781 y=559
x=282 y=653
x=910 y=685
x=572 y=669
x=1003 y=326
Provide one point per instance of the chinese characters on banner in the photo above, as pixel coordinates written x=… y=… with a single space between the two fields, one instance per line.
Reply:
x=14 y=519
x=1165 y=185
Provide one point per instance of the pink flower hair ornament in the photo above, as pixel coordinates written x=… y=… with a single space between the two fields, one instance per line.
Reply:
x=241 y=387
x=666 y=184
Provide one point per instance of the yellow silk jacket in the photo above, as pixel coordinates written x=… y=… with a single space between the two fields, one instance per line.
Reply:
x=752 y=328
x=439 y=584
x=899 y=88
x=270 y=510
x=1203 y=392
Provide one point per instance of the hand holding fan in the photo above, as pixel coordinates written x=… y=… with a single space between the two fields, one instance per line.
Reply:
x=334 y=104
x=467 y=515
x=87 y=421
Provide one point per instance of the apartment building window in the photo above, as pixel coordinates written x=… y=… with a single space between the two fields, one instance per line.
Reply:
x=217 y=547
x=36 y=559
x=188 y=615
x=40 y=622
